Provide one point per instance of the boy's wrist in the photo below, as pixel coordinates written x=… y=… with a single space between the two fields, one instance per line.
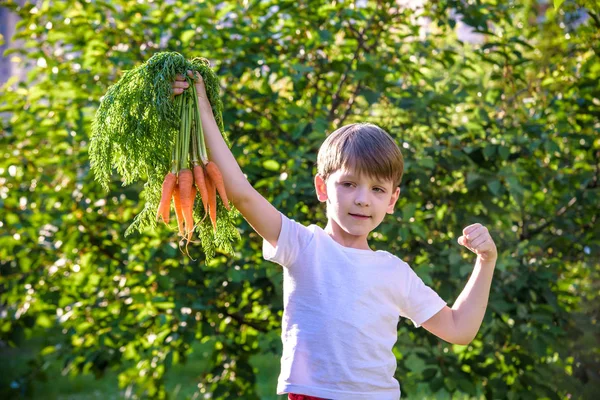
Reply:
x=487 y=262
x=204 y=103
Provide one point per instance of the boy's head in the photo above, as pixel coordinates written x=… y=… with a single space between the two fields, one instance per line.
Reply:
x=363 y=148
x=359 y=171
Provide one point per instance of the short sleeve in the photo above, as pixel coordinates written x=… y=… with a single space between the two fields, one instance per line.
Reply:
x=293 y=239
x=419 y=301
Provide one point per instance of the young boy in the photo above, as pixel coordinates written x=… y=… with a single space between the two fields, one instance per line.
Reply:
x=342 y=300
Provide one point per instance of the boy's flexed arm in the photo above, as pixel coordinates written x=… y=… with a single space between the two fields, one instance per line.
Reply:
x=260 y=214
x=461 y=323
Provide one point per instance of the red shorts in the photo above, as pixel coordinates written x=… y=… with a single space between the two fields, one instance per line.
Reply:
x=292 y=396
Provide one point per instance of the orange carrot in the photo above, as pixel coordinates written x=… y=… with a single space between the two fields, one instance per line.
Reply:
x=201 y=183
x=164 y=206
x=186 y=182
x=178 y=212
x=215 y=175
x=190 y=228
x=212 y=201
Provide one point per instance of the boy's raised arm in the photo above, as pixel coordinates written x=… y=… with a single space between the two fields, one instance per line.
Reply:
x=260 y=214
x=460 y=324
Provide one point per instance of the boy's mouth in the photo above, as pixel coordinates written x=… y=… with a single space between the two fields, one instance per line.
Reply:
x=360 y=216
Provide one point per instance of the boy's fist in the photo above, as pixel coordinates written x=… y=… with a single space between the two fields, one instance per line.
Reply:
x=477 y=239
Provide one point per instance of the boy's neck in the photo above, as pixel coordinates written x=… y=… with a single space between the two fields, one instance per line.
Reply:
x=344 y=238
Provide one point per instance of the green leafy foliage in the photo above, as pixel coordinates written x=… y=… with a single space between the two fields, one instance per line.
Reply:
x=503 y=129
x=136 y=122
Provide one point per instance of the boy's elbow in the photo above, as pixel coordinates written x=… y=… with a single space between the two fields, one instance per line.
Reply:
x=463 y=341
x=463 y=333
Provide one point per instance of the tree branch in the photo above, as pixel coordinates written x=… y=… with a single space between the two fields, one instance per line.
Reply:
x=337 y=99
x=350 y=103
x=528 y=234
x=240 y=320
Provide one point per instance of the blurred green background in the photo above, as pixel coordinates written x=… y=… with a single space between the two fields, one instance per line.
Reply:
x=495 y=104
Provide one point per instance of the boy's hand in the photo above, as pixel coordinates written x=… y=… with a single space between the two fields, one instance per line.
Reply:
x=181 y=84
x=477 y=239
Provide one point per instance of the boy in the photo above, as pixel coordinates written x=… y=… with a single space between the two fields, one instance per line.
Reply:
x=342 y=300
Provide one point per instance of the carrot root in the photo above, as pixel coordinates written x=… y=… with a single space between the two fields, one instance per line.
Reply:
x=212 y=201
x=200 y=181
x=164 y=206
x=187 y=201
x=190 y=227
x=217 y=178
x=178 y=212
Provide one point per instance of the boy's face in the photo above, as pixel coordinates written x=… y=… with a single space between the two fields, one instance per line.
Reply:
x=356 y=203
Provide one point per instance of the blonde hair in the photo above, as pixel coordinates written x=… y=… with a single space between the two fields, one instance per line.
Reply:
x=364 y=148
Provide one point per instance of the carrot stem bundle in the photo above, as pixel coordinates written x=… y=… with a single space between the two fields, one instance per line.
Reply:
x=203 y=174
x=192 y=172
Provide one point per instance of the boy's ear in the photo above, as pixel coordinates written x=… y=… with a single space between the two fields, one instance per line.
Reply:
x=393 y=201
x=321 y=188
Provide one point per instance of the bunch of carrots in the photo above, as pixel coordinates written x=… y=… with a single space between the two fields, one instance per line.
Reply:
x=191 y=171
x=143 y=132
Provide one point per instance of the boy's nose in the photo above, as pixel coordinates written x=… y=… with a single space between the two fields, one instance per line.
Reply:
x=361 y=200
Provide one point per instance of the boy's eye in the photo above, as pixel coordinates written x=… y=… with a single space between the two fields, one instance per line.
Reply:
x=346 y=184
x=380 y=190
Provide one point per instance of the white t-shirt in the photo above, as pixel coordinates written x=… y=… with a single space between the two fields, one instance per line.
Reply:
x=341 y=310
